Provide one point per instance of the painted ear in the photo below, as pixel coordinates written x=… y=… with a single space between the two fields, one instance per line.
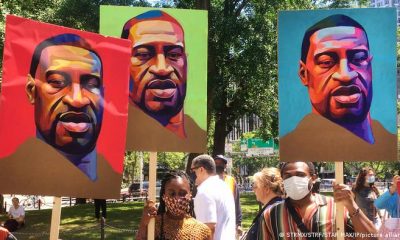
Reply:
x=30 y=89
x=303 y=73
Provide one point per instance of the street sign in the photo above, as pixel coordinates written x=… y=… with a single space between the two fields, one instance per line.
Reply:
x=260 y=152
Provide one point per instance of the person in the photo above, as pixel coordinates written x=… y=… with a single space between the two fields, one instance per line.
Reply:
x=336 y=68
x=174 y=217
x=158 y=79
x=17 y=212
x=316 y=183
x=65 y=85
x=268 y=188
x=100 y=203
x=5 y=234
x=365 y=193
x=220 y=166
x=389 y=200
x=304 y=212
x=214 y=204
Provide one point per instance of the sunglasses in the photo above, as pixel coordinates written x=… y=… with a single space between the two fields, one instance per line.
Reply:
x=193 y=168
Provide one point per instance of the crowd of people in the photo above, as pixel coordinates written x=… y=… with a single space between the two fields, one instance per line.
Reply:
x=208 y=206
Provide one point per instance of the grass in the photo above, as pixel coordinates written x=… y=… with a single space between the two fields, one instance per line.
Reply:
x=78 y=222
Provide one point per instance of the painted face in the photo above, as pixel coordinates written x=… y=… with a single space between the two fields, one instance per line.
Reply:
x=158 y=68
x=68 y=98
x=338 y=74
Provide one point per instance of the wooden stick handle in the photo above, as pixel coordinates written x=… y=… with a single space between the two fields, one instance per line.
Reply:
x=152 y=191
x=55 y=218
x=339 y=206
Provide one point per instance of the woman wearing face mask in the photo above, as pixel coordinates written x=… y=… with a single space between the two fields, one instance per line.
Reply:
x=268 y=188
x=174 y=215
x=365 y=193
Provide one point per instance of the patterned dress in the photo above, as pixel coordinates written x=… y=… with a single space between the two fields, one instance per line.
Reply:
x=180 y=229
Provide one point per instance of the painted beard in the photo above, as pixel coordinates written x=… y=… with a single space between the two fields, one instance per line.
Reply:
x=82 y=143
x=164 y=115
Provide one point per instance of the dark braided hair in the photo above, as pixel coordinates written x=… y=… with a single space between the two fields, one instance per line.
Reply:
x=161 y=208
x=168 y=177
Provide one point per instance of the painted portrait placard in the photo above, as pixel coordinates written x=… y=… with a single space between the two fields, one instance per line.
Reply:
x=337 y=85
x=63 y=111
x=168 y=76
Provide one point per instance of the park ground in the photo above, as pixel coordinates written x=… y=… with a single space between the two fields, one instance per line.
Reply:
x=78 y=222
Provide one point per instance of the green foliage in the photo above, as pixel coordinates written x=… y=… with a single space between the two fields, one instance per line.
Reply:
x=383 y=170
x=253 y=164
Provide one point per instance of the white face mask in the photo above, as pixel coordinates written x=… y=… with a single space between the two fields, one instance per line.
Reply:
x=297 y=187
x=371 y=179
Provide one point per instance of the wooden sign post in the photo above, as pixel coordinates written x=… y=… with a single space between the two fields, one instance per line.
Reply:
x=152 y=191
x=339 y=206
x=55 y=218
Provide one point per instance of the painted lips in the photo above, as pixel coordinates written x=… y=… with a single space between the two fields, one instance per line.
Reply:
x=75 y=122
x=162 y=88
x=347 y=94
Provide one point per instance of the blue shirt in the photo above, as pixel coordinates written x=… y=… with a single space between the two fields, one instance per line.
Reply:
x=388 y=202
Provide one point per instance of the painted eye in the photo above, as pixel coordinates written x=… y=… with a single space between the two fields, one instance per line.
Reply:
x=358 y=57
x=143 y=54
x=91 y=83
x=326 y=61
x=56 y=81
x=174 y=55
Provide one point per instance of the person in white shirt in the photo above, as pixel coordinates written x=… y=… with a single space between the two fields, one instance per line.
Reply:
x=17 y=212
x=213 y=204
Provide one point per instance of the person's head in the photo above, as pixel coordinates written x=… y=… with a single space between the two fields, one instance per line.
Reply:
x=158 y=69
x=66 y=87
x=365 y=178
x=267 y=184
x=297 y=178
x=203 y=166
x=220 y=163
x=15 y=202
x=335 y=66
x=176 y=194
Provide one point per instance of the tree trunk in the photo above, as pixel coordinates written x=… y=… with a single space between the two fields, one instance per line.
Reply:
x=2 y=210
x=203 y=4
x=219 y=135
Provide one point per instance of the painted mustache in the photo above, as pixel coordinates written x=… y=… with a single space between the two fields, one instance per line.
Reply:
x=347 y=94
x=75 y=122
x=162 y=88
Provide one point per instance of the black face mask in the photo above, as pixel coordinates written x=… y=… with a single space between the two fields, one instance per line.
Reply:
x=219 y=169
x=192 y=176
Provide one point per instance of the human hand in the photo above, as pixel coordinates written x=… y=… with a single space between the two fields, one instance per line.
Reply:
x=239 y=230
x=343 y=194
x=149 y=211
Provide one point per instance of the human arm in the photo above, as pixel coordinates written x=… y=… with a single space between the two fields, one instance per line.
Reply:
x=149 y=211
x=388 y=200
x=212 y=227
x=361 y=223
x=238 y=210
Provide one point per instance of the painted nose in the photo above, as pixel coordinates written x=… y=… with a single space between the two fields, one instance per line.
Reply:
x=161 y=67
x=344 y=73
x=76 y=98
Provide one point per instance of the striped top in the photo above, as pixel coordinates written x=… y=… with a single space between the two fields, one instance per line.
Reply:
x=319 y=219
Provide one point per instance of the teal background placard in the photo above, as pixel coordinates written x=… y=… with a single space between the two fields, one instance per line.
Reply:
x=195 y=25
x=381 y=28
